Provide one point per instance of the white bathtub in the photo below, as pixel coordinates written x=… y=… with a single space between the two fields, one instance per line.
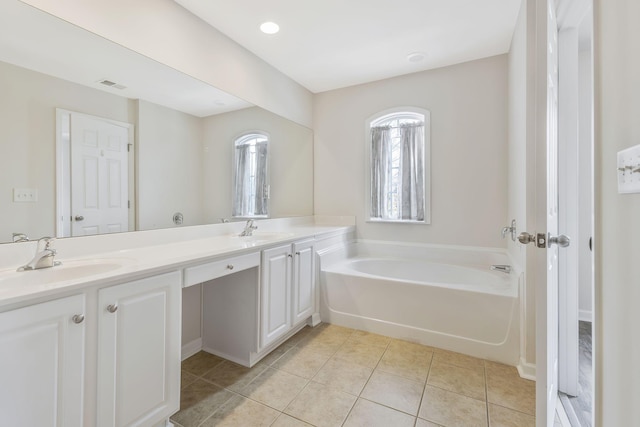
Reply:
x=439 y=296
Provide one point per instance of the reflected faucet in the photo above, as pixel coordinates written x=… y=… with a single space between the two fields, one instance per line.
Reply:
x=20 y=237
x=44 y=258
x=511 y=230
x=248 y=229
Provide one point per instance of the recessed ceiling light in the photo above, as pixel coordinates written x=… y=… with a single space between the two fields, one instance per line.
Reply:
x=416 y=57
x=269 y=27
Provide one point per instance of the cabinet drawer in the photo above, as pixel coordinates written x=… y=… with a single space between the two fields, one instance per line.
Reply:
x=224 y=267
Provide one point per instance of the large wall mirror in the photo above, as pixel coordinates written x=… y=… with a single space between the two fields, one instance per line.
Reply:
x=182 y=132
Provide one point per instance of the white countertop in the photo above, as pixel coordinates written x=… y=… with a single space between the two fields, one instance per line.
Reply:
x=115 y=258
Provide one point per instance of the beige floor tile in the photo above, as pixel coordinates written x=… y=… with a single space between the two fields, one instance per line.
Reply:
x=198 y=401
x=304 y=362
x=370 y=414
x=302 y=333
x=505 y=417
x=274 y=388
x=344 y=376
x=331 y=337
x=233 y=376
x=393 y=391
x=469 y=382
x=240 y=411
x=410 y=347
x=452 y=409
x=285 y=420
x=506 y=388
x=186 y=378
x=406 y=362
x=276 y=354
x=424 y=423
x=321 y=405
x=369 y=338
x=457 y=359
x=200 y=363
x=360 y=353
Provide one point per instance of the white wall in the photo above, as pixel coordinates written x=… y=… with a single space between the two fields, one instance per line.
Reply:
x=164 y=31
x=468 y=104
x=27 y=142
x=617 y=239
x=290 y=162
x=169 y=167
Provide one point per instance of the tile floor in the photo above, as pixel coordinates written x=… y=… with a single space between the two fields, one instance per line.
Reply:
x=334 y=376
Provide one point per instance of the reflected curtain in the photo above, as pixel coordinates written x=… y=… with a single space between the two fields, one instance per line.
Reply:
x=251 y=189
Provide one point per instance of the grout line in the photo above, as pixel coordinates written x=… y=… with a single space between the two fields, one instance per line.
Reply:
x=486 y=393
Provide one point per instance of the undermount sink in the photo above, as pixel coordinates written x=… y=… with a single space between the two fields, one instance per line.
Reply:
x=68 y=270
x=259 y=237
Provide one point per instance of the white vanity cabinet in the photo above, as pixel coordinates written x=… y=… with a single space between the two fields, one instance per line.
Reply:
x=42 y=353
x=139 y=351
x=287 y=289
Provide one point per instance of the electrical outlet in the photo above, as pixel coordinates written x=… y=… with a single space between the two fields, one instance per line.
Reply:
x=629 y=170
x=21 y=195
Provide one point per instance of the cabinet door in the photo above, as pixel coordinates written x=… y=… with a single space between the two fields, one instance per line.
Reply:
x=275 y=294
x=139 y=351
x=303 y=281
x=42 y=364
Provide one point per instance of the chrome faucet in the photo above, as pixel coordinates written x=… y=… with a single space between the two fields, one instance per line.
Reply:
x=511 y=230
x=248 y=229
x=503 y=268
x=44 y=258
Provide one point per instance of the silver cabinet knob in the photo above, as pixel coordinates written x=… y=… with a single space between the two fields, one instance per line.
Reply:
x=79 y=218
x=112 y=308
x=78 y=318
x=297 y=253
x=230 y=266
x=290 y=255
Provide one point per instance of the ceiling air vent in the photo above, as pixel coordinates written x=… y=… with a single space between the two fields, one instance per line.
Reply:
x=111 y=84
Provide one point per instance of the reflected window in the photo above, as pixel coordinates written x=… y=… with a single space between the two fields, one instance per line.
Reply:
x=398 y=146
x=250 y=185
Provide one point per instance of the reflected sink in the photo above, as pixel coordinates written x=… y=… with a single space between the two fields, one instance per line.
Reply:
x=68 y=270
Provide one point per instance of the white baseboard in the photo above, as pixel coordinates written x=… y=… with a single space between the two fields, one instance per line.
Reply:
x=191 y=348
x=527 y=370
x=585 y=316
x=314 y=320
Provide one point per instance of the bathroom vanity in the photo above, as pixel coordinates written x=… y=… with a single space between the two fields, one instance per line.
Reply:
x=96 y=340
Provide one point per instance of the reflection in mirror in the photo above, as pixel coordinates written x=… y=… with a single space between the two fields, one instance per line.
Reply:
x=250 y=178
x=182 y=139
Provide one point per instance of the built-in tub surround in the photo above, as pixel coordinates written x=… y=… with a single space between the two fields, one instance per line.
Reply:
x=133 y=255
x=447 y=297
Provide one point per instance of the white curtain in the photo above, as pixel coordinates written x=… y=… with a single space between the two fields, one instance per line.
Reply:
x=411 y=174
x=380 y=179
x=412 y=151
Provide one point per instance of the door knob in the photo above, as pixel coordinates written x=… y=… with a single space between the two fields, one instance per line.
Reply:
x=79 y=218
x=539 y=239
x=560 y=240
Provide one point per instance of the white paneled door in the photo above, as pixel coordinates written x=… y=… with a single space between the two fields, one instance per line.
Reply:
x=99 y=176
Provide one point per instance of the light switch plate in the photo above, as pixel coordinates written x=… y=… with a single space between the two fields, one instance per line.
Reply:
x=21 y=195
x=629 y=170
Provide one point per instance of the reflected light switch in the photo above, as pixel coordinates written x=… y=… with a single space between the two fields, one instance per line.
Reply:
x=629 y=170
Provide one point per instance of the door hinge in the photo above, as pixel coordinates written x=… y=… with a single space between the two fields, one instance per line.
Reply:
x=129 y=147
x=129 y=204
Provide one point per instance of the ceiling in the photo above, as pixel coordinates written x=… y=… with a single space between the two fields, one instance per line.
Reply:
x=329 y=44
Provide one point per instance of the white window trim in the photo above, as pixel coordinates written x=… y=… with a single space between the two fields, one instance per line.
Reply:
x=427 y=165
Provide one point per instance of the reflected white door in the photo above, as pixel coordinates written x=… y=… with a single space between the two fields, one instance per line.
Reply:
x=552 y=214
x=99 y=176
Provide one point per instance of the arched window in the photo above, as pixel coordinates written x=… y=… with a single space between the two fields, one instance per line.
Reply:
x=398 y=153
x=250 y=184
